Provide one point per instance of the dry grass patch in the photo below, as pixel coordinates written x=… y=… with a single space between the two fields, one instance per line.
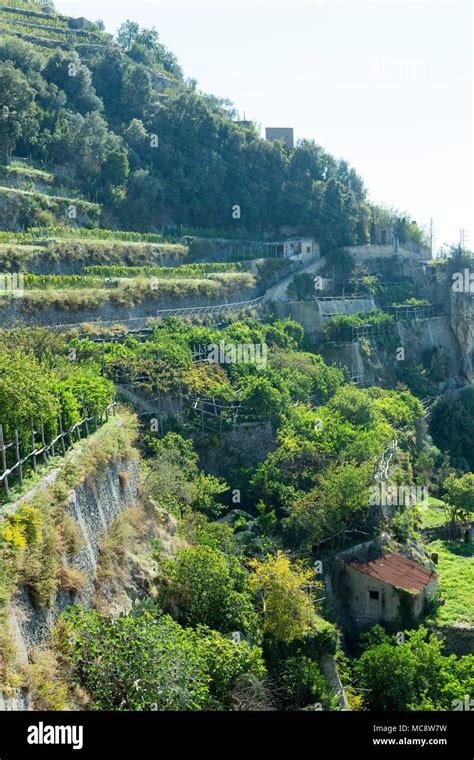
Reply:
x=126 y=564
x=71 y=579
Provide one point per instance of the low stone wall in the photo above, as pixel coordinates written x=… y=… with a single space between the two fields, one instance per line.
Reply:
x=458 y=640
x=363 y=253
x=304 y=312
x=312 y=314
x=13 y=313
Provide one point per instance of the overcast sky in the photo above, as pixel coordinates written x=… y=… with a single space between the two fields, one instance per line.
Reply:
x=385 y=85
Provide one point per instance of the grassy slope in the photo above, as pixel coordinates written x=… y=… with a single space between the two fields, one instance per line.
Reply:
x=456 y=582
x=455 y=570
x=432 y=514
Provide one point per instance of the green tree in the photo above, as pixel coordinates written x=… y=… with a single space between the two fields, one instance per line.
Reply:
x=65 y=70
x=116 y=168
x=83 y=142
x=136 y=91
x=226 y=661
x=284 y=591
x=175 y=480
x=203 y=586
x=138 y=661
x=259 y=397
x=451 y=425
x=127 y=33
x=91 y=391
x=22 y=54
x=108 y=68
x=338 y=504
x=18 y=112
x=354 y=405
x=414 y=675
x=27 y=394
x=459 y=497
x=301 y=682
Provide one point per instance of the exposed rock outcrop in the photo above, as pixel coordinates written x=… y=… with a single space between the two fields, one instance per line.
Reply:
x=92 y=505
x=462 y=325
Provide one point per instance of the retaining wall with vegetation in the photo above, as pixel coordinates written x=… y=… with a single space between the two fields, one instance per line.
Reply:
x=106 y=485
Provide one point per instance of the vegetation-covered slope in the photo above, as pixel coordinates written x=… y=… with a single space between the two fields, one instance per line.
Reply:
x=154 y=150
x=258 y=455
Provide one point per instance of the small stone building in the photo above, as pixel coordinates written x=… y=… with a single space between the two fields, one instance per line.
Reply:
x=383 y=235
x=286 y=134
x=375 y=590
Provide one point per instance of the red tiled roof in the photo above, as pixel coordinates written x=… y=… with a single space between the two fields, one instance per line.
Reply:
x=397 y=571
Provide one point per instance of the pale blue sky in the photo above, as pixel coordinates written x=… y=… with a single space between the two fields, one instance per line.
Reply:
x=385 y=85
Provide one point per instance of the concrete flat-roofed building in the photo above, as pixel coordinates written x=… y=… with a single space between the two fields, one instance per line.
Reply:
x=297 y=249
x=300 y=248
x=273 y=134
x=375 y=589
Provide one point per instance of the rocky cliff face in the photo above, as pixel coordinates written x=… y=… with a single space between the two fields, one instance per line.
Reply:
x=452 y=335
x=92 y=505
x=462 y=325
x=107 y=488
x=18 y=701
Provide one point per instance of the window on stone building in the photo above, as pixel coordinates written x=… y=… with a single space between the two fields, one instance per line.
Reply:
x=374 y=595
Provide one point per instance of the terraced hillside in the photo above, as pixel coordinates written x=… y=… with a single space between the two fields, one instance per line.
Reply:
x=77 y=275
x=48 y=30
x=118 y=117
x=233 y=392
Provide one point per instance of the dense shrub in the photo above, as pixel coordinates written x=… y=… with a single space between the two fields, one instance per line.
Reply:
x=203 y=586
x=414 y=675
x=452 y=426
x=137 y=662
x=147 y=661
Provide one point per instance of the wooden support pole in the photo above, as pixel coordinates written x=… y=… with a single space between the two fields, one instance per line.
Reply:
x=84 y=412
x=43 y=443
x=18 y=457
x=61 y=433
x=4 y=461
x=160 y=410
x=33 y=445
